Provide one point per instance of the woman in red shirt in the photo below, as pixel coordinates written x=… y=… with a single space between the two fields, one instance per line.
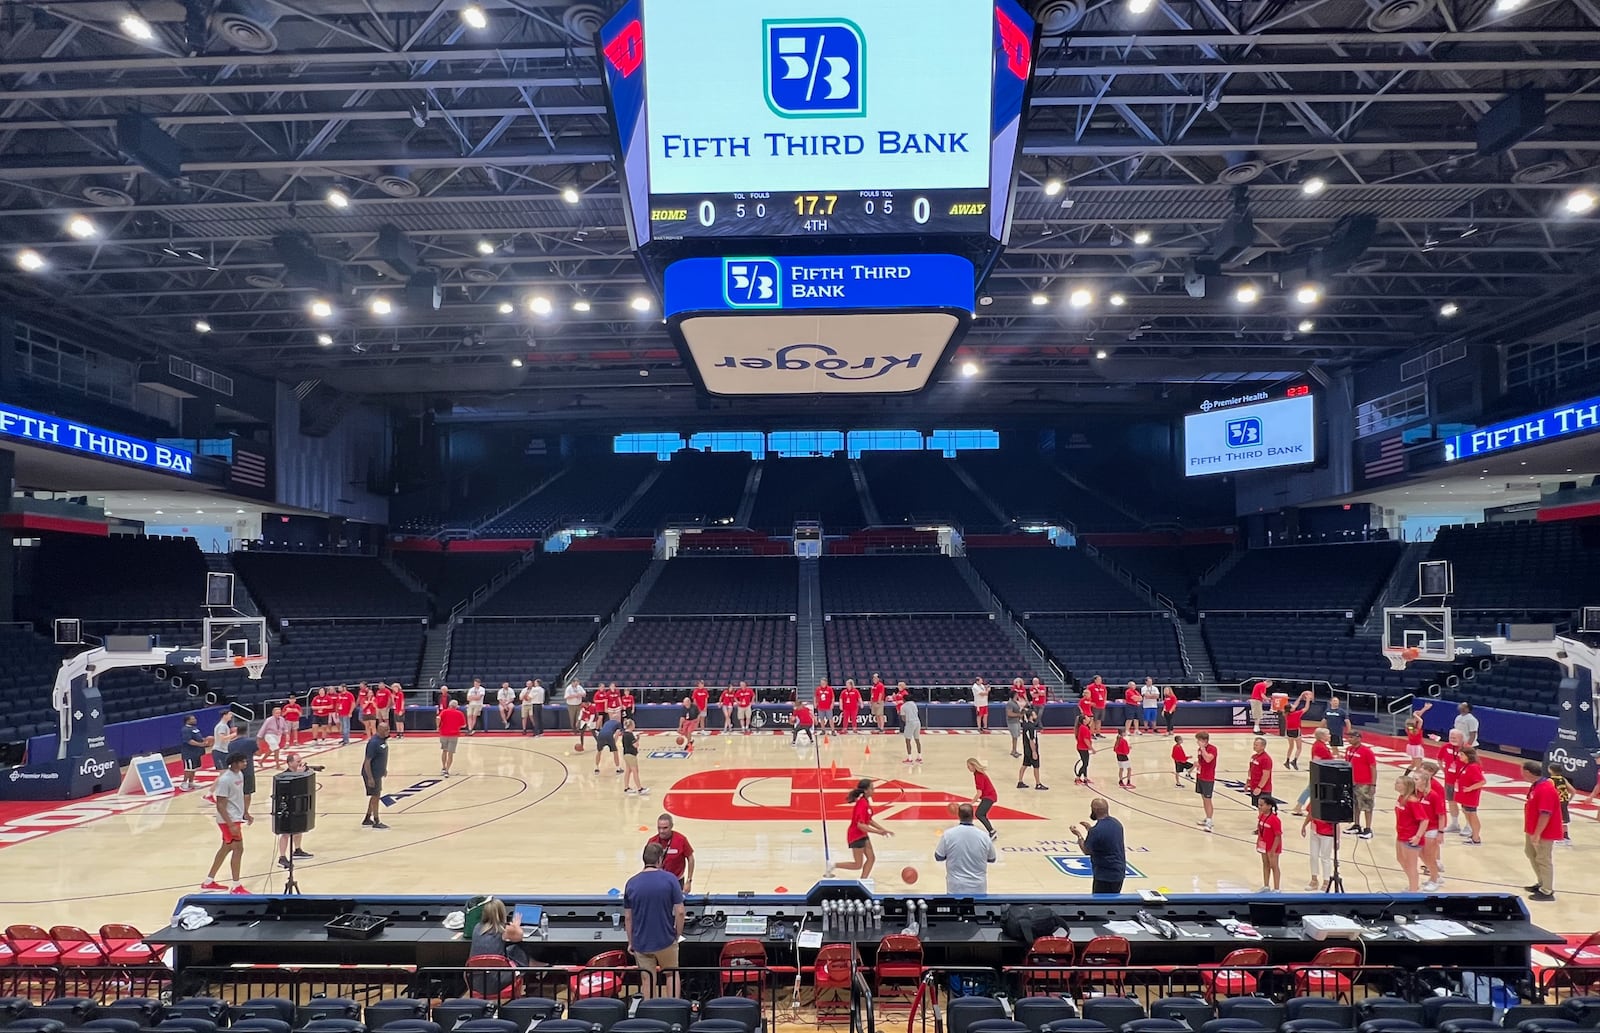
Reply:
x=291 y=714
x=1322 y=836
x=984 y=795
x=397 y=710
x=1269 y=843
x=856 y=835
x=1293 y=718
x=367 y=707
x=1412 y=817
x=1469 y=790
x=1169 y=707
x=1083 y=735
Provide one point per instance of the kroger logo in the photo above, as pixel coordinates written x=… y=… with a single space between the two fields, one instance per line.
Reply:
x=1559 y=757
x=95 y=768
x=752 y=283
x=815 y=68
x=800 y=358
x=1245 y=433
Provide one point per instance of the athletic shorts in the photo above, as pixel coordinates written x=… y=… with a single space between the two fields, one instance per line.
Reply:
x=1149 y=715
x=229 y=836
x=877 y=710
x=1431 y=834
x=630 y=761
x=604 y=744
x=1364 y=795
x=273 y=742
x=1125 y=764
x=1293 y=733
x=1204 y=788
x=448 y=743
x=249 y=779
x=1100 y=714
x=860 y=844
x=1470 y=808
x=191 y=763
x=1414 y=752
x=374 y=786
x=383 y=714
x=911 y=731
x=1449 y=793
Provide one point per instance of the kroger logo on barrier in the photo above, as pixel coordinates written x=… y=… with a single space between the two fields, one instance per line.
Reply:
x=1571 y=764
x=96 y=768
x=801 y=358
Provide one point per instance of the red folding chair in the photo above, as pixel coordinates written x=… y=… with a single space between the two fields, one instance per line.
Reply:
x=831 y=982
x=1050 y=952
x=125 y=946
x=590 y=983
x=743 y=964
x=1580 y=964
x=898 y=967
x=1332 y=972
x=481 y=987
x=1110 y=956
x=1232 y=978
x=33 y=946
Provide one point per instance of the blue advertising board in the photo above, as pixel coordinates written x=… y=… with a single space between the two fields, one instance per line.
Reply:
x=1558 y=422
x=820 y=283
x=69 y=435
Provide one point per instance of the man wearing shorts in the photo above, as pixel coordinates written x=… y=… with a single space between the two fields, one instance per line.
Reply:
x=1260 y=777
x=573 y=697
x=228 y=795
x=726 y=702
x=702 y=703
x=652 y=915
x=1334 y=720
x=824 y=702
x=374 y=765
x=397 y=710
x=221 y=736
x=322 y=714
x=451 y=722
x=191 y=747
x=532 y=708
x=1098 y=694
x=1258 y=703
x=911 y=729
x=382 y=703
x=291 y=715
x=1364 y=776
x=878 y=693
x=980 y=704
x=275 y=733
x=605 y=738
x=506 y=697
x=475 y=696
x=1149 y=704
x=1205 y=775
x=745 y=698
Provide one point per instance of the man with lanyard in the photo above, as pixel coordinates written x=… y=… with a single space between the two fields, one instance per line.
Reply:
x=1542 y=828
x=1364 y=776
x=745 y=698
x=474 y=705
x=677 y=856
x=879 y=695
x=1098 y=694
x=322 y=714
x=980 y=704
x=824 y=703
x=506 y=697
x=344 y=705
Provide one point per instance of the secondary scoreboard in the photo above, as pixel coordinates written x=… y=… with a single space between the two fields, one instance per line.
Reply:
x=790 y=118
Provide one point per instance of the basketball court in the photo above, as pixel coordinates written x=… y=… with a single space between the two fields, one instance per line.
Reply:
x=529 y=816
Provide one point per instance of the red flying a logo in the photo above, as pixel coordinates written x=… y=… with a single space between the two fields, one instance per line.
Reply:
x=1017 y=46
x=758 y=794
x=626 y=50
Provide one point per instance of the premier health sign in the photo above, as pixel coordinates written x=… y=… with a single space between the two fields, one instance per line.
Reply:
x=41 y=429
x=1535 y=428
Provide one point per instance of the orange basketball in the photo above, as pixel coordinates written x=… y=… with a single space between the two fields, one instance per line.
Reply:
x=680 y=740
x=952 y=807
x=238 y=661
x=578 y=746
x=1411 y=652
x=908 y=875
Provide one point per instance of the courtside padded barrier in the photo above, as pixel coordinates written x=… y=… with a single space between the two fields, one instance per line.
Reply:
x=1530 y=733
x=135 y=738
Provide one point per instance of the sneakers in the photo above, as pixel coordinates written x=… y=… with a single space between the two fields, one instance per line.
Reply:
x=302 y=855
x=1454 y=826
x=993 y=835
x=240 y=891
x=626 y=791
x=1542 y=897
x=1354 y=830
x=283 y=862
x=1022 y=785
x=643 y=790
x=1431 y=886
x=212 y=886
x=367 y=820
x=1041 y=785
x=1205 y=823
x=1364 y=834
x=379 y=825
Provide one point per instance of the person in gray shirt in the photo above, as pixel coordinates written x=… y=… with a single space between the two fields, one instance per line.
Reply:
x=966 y=852
x=1467 y=724
x=1014 y=708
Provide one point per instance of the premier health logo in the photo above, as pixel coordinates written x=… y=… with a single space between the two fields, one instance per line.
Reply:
x=1245 y=432
x=752 y=283
x=815 y=68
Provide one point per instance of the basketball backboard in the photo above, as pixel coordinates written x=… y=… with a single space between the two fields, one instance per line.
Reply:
x=1412 y=633
x=231 y=643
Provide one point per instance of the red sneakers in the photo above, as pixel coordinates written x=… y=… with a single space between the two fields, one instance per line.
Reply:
x=213 y=886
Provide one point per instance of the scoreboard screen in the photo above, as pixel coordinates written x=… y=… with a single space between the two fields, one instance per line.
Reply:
x=778 y=119
x=1251 y=432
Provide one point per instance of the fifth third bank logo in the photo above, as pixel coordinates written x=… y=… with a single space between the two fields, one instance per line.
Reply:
x=815 y=68
x=1244 y=433
x=752 y=283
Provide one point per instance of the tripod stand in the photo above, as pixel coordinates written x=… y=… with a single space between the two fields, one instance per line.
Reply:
x=1335 y=881
x=291 y=888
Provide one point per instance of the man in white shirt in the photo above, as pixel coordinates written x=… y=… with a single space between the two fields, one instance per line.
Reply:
x=966 y=852
x=573 y=698
x=980 y=703
x=507 y=698
x=275 y=733
x=1150 y=703
x=474 y=705
x=221 y=736
x=533 y=708
x=227 y=794
x=1467 y=724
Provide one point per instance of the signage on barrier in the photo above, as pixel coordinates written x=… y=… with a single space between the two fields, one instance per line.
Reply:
x=1560 y=421
x=43 y=429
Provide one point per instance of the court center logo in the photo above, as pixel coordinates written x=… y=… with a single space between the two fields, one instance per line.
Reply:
x=752 y=283
x=1244 y=433
x=815 y=68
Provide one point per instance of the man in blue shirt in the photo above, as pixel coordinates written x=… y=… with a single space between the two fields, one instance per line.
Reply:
x=652 y=914
x=374 y=765
x=1335 y=719
x=191 y=747
x=1108 y=856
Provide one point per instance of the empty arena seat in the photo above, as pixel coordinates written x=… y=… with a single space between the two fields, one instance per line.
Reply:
x=453 y=1012
x=1230 y=1026
x=997 y=1026
x=1338 y=1013
x=525 y=1011
x=719 y=1026
x=334 y=1026
x=267 y=1008
x=1436 y=1011
x=73 y=1011
x=1037 y=1011
x=1075 y=1026
x=740 y=1009
x=674 y=1011
x=488 y=1026
x=1544 y=1025
x=601 y=1013
x=1148 y=1025
x=411 y=1026
x=641 y=1026
x=14 y=1008
x=1469 y=1026
x=379 y=1014
x=146 y=1011
x=260 y=1025
x=113 y=1024
x=187 y=1024
x=1387 y=1026
x=553 y=1026
x=1256 y=1009
x=213 y=1008
x=328 y=1008
x=1114 y=1012
x=1309 y=1026
x=34 y=1024
x=1388 y=1007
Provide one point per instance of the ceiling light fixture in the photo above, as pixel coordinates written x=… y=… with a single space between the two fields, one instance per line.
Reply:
x=506 y=308
x=82 y=227
x=539 y=305
x=473 y=15
x=1141 y=237
x=135 y=27
x=1308 y=294
x=380 y=305
x=1040 y=299
x=1117 y=300
x=1080 y=298
x=580 y=305
x=1052 y=187
x=321 y=309
x=571 y=195
x=1139 y=6
x=1313 y=186
x=29 y=260
x=517 y=363
x=337 y=198
x=1247 y=294
x=1100 y=354
x=640 y=303
x=1581 y=201
x=1306 y=326
x=201 y=326
x=1449 y=309
x=1507 y=6
x=485 y=247
x=325 y=339
x=969 y=368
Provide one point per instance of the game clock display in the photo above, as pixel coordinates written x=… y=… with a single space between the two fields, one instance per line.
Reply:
x=819 y=213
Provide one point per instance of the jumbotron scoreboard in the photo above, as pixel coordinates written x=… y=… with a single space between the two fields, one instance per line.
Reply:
x=791 y=167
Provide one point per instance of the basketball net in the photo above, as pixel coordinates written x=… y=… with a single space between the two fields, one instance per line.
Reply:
x=254 y=666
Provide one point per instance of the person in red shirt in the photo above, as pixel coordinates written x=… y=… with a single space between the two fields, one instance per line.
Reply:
x=1542 y=829
x=1411 y=820
x=849 y=706
x=1269 y=840
x=879 y=692
x=1364 y=773
x=291 y=714
x=803 y=720
x=1205 y=775
x=857 y=833
x=824 y=703
x=1323 y=834
x=1293 y=719
x=397 y=710
x=1086 y=705
x=451 y=724
x=1181 y=764
x=1169 y=707
x=1259 y=781
x=1449 y=758
x=702 y=702
x=589 y=717
x=1414 y=747
x=1258 y=702
x=366 y=703
x=1433 y=842
x=1123 y=749
x=679 y=855
x=745 y=697
x=1320 y=750
x=725 y=701
x=380 y=703
x=344 y=705
x=626 y=703
x=984 y=794
x=1469 y=790
x=323 y=706
x=1083 y=737
x=1038 y=695
x=1130 y=696
x=1097 y=703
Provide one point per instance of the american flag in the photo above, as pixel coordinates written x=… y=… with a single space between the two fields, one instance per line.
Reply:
x=1389 y=458
x=249 y=468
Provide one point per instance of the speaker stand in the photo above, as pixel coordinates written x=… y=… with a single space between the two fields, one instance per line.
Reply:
x=1335 y=882
x=291 y=888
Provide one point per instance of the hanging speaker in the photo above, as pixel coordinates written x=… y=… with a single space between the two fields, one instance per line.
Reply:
x=294 y=802
x=1333 y=791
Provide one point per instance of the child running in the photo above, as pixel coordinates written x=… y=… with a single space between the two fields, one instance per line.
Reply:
x=1083 y=737
x=984 y=794
x=857 y=834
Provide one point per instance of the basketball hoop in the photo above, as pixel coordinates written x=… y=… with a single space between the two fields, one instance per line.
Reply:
x=1397 y=659
x=253 y=666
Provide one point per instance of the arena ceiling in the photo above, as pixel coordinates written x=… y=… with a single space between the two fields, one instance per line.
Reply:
x=1149 y=135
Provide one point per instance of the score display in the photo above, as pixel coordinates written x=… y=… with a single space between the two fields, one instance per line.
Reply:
x=750 y=120
x=1237 y=434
